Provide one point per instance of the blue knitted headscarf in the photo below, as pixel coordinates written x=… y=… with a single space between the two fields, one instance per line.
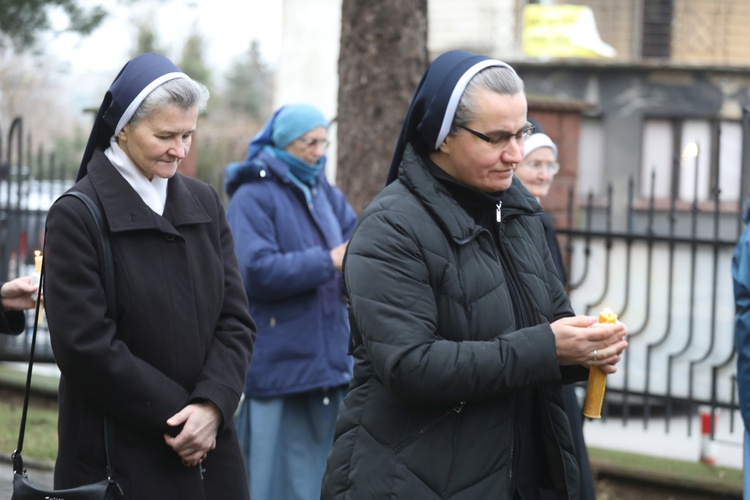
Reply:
x=287 y=124
x=433 y=107
x=294 y=121
x=136 y=80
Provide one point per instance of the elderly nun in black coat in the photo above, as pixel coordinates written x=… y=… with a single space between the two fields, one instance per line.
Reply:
x=167 y=370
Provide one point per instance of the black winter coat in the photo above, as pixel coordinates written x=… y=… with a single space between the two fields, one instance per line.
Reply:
x=183 y=334
x=438 y=350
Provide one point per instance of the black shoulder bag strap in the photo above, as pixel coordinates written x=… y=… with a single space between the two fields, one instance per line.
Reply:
x=109 y=290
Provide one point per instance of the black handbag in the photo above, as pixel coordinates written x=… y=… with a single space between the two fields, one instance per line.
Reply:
x=24 y=490
x=107 y=489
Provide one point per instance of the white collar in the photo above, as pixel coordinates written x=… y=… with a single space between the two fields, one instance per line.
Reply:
x=153 y=192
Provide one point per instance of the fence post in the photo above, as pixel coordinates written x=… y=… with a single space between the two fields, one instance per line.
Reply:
x=708 y=445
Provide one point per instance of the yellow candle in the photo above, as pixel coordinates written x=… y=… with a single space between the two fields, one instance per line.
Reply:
x=35 y=278
x=592 y=406
x=37 y=261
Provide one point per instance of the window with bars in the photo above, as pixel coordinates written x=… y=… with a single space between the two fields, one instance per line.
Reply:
x=692 y=159
x=657 y=29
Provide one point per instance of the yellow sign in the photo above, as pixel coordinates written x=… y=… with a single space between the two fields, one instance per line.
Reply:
x=562 y=31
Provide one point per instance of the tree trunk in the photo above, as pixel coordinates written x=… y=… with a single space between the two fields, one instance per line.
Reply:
x=383 y=55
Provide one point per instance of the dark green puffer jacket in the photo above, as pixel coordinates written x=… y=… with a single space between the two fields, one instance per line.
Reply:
x=439 y=353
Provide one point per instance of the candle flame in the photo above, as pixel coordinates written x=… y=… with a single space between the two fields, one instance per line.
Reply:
x=37 y=261
x=690 y=150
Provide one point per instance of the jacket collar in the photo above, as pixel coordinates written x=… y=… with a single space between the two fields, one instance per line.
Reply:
x=124 y=209
x=456 y=222
x=276 y=166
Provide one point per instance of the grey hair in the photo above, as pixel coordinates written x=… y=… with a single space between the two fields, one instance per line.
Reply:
x=498 y=79
x=185 y=93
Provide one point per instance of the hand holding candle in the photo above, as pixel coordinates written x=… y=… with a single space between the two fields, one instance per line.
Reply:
x=592 y=407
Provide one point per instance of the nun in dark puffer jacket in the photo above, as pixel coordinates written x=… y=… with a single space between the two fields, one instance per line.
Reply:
x=462 y=333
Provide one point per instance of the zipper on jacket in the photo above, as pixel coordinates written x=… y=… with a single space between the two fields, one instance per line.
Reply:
x=523 y=314
x=499 y=211
x=520 y=315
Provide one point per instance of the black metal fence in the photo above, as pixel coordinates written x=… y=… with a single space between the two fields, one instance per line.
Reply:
x=29 y=183
x=674 y=291
x=666 y=271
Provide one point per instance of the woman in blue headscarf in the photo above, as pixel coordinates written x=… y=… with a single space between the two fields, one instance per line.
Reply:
x=291 y=227
x=461 y=331
x=166 y=370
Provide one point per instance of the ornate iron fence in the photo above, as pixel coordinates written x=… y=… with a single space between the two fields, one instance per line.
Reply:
x=667 y=272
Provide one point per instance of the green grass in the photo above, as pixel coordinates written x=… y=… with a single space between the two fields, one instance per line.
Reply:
x=666 y=470
x=40 y=438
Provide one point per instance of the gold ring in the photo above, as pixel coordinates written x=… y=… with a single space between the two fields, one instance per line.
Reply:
x=594 y=354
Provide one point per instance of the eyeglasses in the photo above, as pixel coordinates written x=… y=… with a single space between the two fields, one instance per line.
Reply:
x=501 y=139
x=314 y=143
x=552 y=167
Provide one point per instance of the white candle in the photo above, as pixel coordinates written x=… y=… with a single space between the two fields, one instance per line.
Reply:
x=37 y=267
x=38 y=261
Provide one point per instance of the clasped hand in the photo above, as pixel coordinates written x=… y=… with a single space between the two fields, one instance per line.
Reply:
x=577 y=337
x=201 y=422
